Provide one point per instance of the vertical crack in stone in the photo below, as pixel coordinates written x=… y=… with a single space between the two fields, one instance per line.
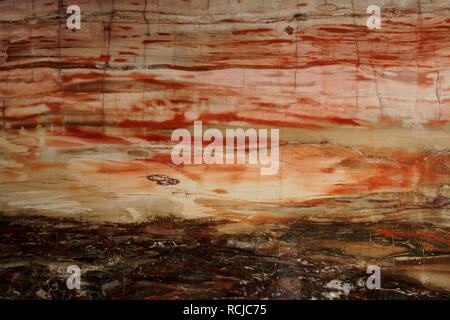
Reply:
x=376 y=87
x=147 y=34
x=357 y=64
x=60 y=8
x=438 y=95
x=106 y=64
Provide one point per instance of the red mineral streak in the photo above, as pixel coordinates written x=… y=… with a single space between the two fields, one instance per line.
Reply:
x=92 y=136
x=313 y=202
x=128 y=53
x=40 y=166
x=151 y=79
x=245 y=31
x=363 y=118
x=336 y=30
x=220 y=191
x=177 y=101
x=102 y=58
x=154 y=137
x=231 y=117
x=82 y=76
x=400 y=174
x=260 y=42
x=178 y=121
x=155 y=41
x=61 y=143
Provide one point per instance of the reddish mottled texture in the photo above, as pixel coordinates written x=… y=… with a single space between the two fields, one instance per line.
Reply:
x=85 y=149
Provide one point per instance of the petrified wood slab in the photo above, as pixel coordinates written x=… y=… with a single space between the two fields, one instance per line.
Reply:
x=86 y=176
